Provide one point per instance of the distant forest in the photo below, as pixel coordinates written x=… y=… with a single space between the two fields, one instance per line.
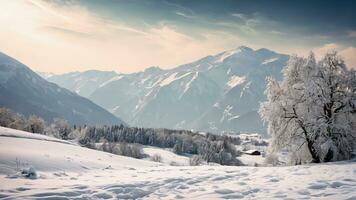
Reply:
x=209 y=147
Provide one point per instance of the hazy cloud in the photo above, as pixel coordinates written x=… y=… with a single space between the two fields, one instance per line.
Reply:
x=57 y=38
x=352 y=34
x=61 y=37
x=184 y=15
x=277 y=32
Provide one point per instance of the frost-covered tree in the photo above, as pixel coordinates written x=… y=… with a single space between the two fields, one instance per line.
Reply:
x=353 y=101
x=62 y=127
x=312 y=108
x=19 y=122
x=6 y=117
x=12 y=120
x=35 y=124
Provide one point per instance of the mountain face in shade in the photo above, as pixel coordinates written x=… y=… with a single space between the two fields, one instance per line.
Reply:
x=25 y=92
x=216 y=93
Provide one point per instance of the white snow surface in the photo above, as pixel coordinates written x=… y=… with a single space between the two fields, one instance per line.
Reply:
x=169 y=80
x=187 y=86
x=116 y=78
x=227 y=54
x=269 y=61
x=252 y=160
x=168 y=157
x=173 y=77
x=235 y=80
x=67 y=171
x=8 y=132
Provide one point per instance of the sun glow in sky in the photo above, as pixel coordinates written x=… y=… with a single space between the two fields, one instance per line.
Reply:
x=128 y=36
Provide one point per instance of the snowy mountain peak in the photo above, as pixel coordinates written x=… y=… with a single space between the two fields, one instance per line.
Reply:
x=184 y=97
x=237 y=52
x=244 y=48
x=153 y=69
x=45 y=75
x=219 y=58
x=267 y=52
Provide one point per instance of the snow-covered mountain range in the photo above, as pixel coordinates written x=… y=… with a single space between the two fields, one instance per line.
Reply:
x=23 y=91
x=216 y=93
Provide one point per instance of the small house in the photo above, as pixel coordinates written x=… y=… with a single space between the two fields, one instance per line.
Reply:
x=253 y=152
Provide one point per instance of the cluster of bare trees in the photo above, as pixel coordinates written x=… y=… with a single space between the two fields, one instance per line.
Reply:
x=59 y=128
x=124 y=149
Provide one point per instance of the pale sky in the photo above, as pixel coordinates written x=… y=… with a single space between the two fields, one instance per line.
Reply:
x=131 y=35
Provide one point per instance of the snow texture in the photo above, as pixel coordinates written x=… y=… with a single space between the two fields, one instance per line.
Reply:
x=268 y=61
x=67 y=171
x=236 y=80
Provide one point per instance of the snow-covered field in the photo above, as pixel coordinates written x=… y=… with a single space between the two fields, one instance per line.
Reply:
x=68 y=171
x=168 y=157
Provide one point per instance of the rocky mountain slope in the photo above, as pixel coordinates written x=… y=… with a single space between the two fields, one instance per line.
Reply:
x=23 y=91
x=216 y=93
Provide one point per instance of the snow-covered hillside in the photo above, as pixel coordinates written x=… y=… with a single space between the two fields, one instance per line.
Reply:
x=166 y=155
x=216 y=93
x=25 y=92
x=67 y=171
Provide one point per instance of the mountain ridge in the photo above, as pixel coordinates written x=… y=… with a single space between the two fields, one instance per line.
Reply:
x=24 y=91
x=216 y=93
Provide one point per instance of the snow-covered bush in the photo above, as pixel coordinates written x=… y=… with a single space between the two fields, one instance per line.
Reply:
x=75 y=134
x=312 y=109
x=195 y=160
x=11 y=119
x=6 y=117
x=110 y=147
x=123 y=149
x=131 y=150
x=35 y=124
x=272 y=159
x=29 y=173
x=156 y=158
x=62 y=128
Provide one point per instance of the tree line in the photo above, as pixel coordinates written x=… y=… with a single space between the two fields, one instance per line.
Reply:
x=211 y=148
x=59 y=128
x=120 y=139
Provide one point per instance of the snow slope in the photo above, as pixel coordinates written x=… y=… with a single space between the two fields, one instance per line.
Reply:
x=8 y=132
x=68 y=171
x=49 y=154
x=168 y=157
x=25 y=92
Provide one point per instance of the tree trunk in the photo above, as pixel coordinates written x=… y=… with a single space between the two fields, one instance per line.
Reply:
x=310 y=144
x=312 y=151
x=329 y=156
